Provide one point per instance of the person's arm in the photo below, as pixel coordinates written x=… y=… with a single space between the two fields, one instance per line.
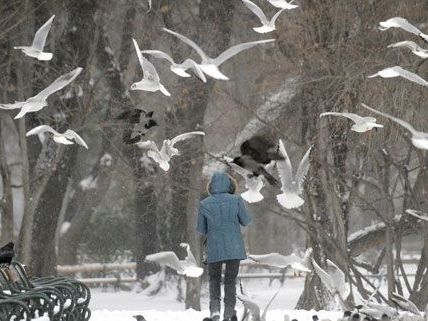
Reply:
x=243 y=216
x=202 y=226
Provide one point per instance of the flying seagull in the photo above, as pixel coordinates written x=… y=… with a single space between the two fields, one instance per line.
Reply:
x=267 y=25
x=178 y=69
x=398 y=22
x=164 y=155
x=404 y=304
x=187 y=267
x=361 y=124
x=397 y=71
x=282 y=4
x=334 y=280
x=419 y=139
x=37 y=102
x=151 y=81
x=65 y=138
x=253 y=183
x=418 y=214
x=292 y=186
x=283 y=261
x=414 y=48
x=254 y=308
x=36 y=48
x=210 y=65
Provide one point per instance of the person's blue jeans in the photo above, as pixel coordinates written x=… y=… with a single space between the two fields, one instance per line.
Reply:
x=231 y=273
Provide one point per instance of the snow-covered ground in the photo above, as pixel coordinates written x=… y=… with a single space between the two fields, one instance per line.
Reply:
x=121 y=306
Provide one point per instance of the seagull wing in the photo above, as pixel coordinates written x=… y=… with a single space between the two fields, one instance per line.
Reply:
x=354 y=117
x=272 y=259
x=407 y=44
x=418 y=214
x=185 y=136
x=411 y=76
x=324 y=276
x=303 y=169
x=148 y=68
x=232 y=51
x=41 y=129
x=58 y=84
x=252 y=306
x=16 y=105
x=189 y=42
x=397 y=120
x=159 y=54
x=257 y=11
x=41 y=34
x=71 y=134
x=275 y=17
x=338 y=278
x=167 y=258
x=148 y=144
x=191 y=64
x=399 y=22
x=263 y=318
x=190 y=258
x=404 y=303
x=285 y=171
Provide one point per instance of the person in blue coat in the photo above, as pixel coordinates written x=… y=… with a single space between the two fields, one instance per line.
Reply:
x=220 y=218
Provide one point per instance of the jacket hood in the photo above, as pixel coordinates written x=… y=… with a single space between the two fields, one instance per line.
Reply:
x=221 y=183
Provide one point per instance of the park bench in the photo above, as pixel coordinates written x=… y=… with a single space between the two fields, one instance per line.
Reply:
x=23 y=297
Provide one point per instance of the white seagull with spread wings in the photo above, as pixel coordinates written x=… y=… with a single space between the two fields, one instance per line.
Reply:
x=398 y=22
x=37 y=102
x=267 y=25
x=254 y=308
x=419 y=139
x=397 y=71
x=361 y=124
x=151 y=81
x=414 y=48
x=210 y=65
x=164 y=155
x=61 y=138
x=292 y=186
x=187 y=267
x=283 y=261
x=36 y=48
x=253 y=183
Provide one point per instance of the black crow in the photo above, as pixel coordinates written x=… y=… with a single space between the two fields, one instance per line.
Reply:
x=261 y=150
x=140 y=121
x=139 y=317
x=7 y=253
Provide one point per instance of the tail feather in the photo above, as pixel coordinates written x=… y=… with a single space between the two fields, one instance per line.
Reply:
x=290 y=200
x=252 y=196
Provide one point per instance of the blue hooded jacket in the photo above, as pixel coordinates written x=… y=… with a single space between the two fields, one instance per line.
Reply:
x=220 y=216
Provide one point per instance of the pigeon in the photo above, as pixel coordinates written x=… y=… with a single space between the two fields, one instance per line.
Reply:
x=334 y=280
x=419 y=139
x=36 y=48
x=140 y=122
x=139 y=317
x=267 y=25
x=254 y=308
x=255 y=168
x=398 y=22
x=187 y=267
x=65 y=138
x=361 y=124
x=163 y=156
x=253 y=183
x=283 y=261
x=210 y=65
x=151 y=81
x=356 y=317
x=7 y=253
x=315 y=318
x=397 y=71
x=37 y=102
x=282 y=4
x=404 y=304
x=418 y=214
x=291 y=186
x=414 y=48
x=346 y=316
